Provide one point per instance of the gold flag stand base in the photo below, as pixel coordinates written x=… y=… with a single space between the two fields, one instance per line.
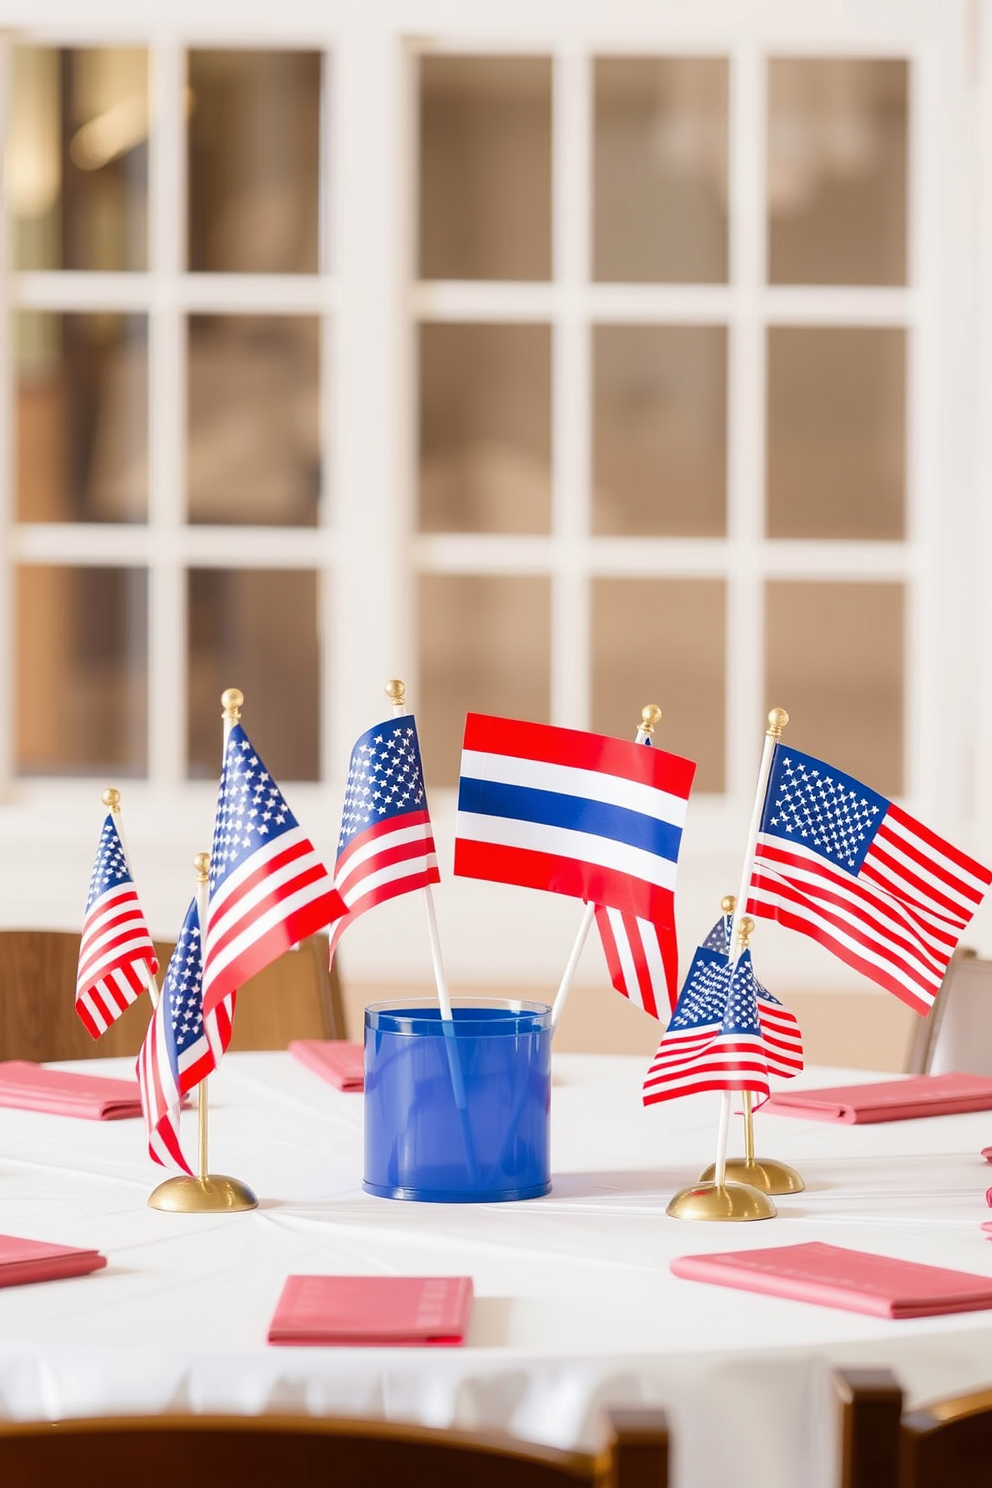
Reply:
x=722 y=1202
x=762 y=1173
x=214 y=1194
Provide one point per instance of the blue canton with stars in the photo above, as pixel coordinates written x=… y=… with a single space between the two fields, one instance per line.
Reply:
x=703 y=999
x=182 y=991
x=385 y=778
x=822 y=809
x=110 y=869
x=741 y=1016
x=251 y=810
x=719 y=937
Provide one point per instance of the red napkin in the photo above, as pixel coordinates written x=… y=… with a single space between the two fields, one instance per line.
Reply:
x=37 y=1260
x=336 y=1060
x=32 y=1087
x=889 y=1100
x=987 y=1153
x=372 y=1311
x=836 y=1277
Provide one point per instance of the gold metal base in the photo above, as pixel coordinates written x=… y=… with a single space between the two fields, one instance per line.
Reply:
x=214 y=1194
x=762 y=1173
x=721 y=1202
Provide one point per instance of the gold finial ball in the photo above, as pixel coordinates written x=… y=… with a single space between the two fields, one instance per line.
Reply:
x=396 y=691
x=777 y=720
x=202 y=865
x=650 y=715
x=232 y=700
x=745 y=929
x=728 y=903
x=111 y=798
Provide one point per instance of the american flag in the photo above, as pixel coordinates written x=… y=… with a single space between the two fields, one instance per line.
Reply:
x=116 y=954
x=268 y=888
x=642 y=959
x=181 y=1046
x=386 y=845
x=714 y=1041
x=779 y=1026
x=581 y=814
x=854 y=871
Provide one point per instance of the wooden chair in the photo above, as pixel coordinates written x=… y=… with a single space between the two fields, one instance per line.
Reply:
x=296 y=997
x=957 y=1032
x=945 y=1445
x=203 y=1451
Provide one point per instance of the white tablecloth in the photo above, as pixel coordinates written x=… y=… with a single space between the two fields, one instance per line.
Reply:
x=575 y=1302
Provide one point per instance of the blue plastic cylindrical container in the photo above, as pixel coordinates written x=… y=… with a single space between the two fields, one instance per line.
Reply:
x=457 y=1112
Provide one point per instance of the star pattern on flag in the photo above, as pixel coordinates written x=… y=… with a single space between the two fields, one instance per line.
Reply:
x=817 y=807
x=705 y=999
x=110 y=867
x=182 y=990
x=251 y=811
x=385 y=779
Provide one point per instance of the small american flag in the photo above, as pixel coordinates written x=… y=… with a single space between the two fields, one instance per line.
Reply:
x=268 y=888
x=386 y=844
x=714 y=1041
x=116 y=954
x=779 y=1027
x=181 y=1046
x=849 y=868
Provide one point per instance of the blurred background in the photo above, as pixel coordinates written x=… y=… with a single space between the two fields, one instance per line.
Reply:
x=555 y=364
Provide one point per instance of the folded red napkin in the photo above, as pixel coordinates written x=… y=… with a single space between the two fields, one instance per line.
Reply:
x=987 y=1153
x=336 y=1060
x=376 y=1311
x=32 y=1087
x=836 y=1277
x=888 y=1100
x=37 y=1260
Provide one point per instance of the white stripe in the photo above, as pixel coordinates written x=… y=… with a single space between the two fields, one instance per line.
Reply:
x=563 y=842
x=567 y=780
x=346 y=864
x=351 y=892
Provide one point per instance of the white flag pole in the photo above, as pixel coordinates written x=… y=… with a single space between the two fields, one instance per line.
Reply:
x=650 y=715
x=396 y=692
x=777 y=720
x=112 y=800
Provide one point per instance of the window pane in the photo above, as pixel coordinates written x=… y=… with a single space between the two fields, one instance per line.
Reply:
x=837 y=134
x=76 y=169
x=253 y=420
x=485 y=428
x=82 y=671
x=485 y=646
x=485 y=168
x=660 y=430
x=836 y=432
x=82 y=417
x=660 y=193
x=835 y=656
x=256 y=630
x=254 y=161
x=662 y=641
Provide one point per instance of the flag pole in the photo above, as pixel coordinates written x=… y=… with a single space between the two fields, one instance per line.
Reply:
x=202 y=865
x=396 y=692
x=111 y=798
x=777 y=720
x=650 y=715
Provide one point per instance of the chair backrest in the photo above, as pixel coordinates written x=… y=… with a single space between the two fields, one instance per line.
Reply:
x=296 y=997
x=202 y=1451
x=946 y=1445
x=957 y=1032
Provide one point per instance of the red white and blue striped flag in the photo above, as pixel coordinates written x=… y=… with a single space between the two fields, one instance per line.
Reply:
x=182 y=1045
x=116 y=954
x=581 y=814
x=849 y=868
x=643 y=960
x=268 y=888
x=386 y=844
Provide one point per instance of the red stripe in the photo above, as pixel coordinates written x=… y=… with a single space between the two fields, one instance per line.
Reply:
x=571 y=876
x=582 y=751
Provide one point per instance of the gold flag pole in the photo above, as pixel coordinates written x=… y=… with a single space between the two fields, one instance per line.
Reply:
x=764 y=1173
x=650 y=715
x=207 y=1193
x=111 y=798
